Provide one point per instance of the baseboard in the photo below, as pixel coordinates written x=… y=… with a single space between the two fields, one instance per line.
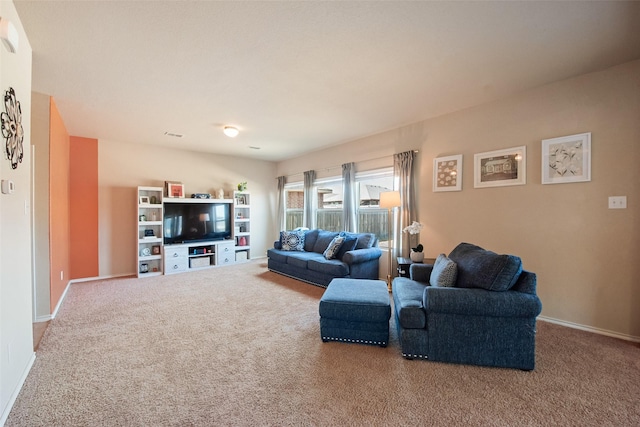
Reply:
x=110 y=276
x=14 y=395
x=64 y=294
x=41 y=319
x=590 y=329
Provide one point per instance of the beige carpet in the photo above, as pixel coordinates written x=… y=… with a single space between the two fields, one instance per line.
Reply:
x=239 y=345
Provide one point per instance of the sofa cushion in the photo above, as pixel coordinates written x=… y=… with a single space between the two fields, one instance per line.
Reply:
x=310 y=238
x=299 y=259
x=349 y=244
x=277 y=255
x=333 y=248
x=480 y=268
x=324 y=238
x=364 y=240
x=444 y=272
x=292 y=240
x=332 y=267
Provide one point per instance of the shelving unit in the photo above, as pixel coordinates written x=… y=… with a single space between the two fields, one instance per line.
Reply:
x=242 y=225
x=149 y=247
x=196 y=256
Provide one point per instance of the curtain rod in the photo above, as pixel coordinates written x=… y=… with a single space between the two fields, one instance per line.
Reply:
x=328 y=168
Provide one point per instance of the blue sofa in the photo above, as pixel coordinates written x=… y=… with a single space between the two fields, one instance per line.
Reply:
x=310 y=265
x=485 y=316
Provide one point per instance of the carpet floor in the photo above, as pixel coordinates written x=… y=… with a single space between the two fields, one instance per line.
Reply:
x=240 y=345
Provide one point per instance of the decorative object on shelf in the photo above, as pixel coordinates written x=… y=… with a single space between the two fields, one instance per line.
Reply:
x=174 y=189
x=144 y=200
x=241 y=200
x=149 y=234
x=142 y=218
x=145 y=252
x=566 y=159
x=500 y=168
x=242 y=186
x=390 y=200
x=201 y=196
x=447 y=173
x=416 y=254
x=12 y=128
x=155 y=250
x=221 y=194
x=242 y=241
x=153 y=200
x=144 y=268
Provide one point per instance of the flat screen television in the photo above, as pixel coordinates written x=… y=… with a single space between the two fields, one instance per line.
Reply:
x=186 y=222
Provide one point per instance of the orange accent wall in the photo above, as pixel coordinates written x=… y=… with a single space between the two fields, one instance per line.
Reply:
x=58 y=204
x=83 y=207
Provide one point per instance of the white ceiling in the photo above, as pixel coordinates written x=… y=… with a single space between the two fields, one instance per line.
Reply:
x=299 y=76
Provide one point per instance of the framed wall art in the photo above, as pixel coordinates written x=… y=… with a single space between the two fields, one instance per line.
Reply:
x=566 y=159
x=174 y=189
x=500 y=168
x=447 y=173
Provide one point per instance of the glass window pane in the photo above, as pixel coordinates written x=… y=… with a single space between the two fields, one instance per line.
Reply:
x=294 y=204
x=371 y=218
x=329 y=213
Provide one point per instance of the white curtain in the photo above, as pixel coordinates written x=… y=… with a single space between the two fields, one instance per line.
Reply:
x=404 y=174
x=309 y=218
x=349 y=202
x=282 y=180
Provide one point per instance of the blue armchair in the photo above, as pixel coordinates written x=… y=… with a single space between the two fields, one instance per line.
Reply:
x=485 y=316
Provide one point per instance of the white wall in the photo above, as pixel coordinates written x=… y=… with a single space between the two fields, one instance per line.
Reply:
x=16 y=336
x=122 y=167
x=585 y=255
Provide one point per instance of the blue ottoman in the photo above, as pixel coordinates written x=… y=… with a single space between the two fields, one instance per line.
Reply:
x=356 y=311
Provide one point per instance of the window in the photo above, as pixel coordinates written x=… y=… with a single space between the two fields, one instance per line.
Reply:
x=371 y=218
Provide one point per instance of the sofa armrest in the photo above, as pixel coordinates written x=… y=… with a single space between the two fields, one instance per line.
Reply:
x=420 y=272
x=480 y=302
x=359 y=256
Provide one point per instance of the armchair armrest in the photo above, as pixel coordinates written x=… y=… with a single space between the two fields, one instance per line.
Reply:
x=420 y=272
x=361 y=255
x=480 y=302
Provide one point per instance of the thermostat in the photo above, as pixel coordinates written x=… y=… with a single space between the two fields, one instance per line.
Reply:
x=8 y=187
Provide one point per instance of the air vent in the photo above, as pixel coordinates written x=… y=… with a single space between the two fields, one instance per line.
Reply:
x=174 y=135
x=254 y=148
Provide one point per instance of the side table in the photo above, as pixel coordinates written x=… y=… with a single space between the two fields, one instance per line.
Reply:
x=405 y=263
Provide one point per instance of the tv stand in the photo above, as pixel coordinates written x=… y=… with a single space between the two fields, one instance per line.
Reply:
x=198 y=255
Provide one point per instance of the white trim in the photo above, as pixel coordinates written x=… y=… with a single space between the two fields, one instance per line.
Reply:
x=590 y=329
x=41 y=319
x=14 y=395
x=64 y=294
x=110 y=276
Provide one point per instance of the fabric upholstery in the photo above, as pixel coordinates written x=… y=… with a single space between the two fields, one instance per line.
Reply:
x=323 y=240
x=333 y=248
x=470 y=324
x=480 y=268
x=444 y=272
x=292 y=240
x=310 y=266
x=355 y=310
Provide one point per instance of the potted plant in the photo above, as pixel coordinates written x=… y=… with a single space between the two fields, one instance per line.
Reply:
x=416 y=254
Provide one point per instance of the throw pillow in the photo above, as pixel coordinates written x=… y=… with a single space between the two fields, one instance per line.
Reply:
x=480 y=268
x=333 y=247
x=323 y=240
x=292 y=240
x=349 y=244
x=444 y=272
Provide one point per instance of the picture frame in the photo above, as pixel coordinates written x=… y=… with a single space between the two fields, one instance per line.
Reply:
x=174 y=190
x=144 y=200
x=155 y=250
x=447 y=173
x=241 y=200
x=566 y=159
x=500 y=168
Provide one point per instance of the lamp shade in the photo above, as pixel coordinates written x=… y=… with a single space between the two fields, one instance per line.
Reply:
x=390 y=199
x=204 y=217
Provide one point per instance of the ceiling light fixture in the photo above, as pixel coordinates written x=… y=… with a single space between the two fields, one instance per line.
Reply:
x=230 y=131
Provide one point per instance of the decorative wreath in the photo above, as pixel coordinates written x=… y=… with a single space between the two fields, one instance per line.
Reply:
x=12 y=128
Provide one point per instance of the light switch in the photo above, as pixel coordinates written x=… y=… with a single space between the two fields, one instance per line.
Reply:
x=618 y=202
